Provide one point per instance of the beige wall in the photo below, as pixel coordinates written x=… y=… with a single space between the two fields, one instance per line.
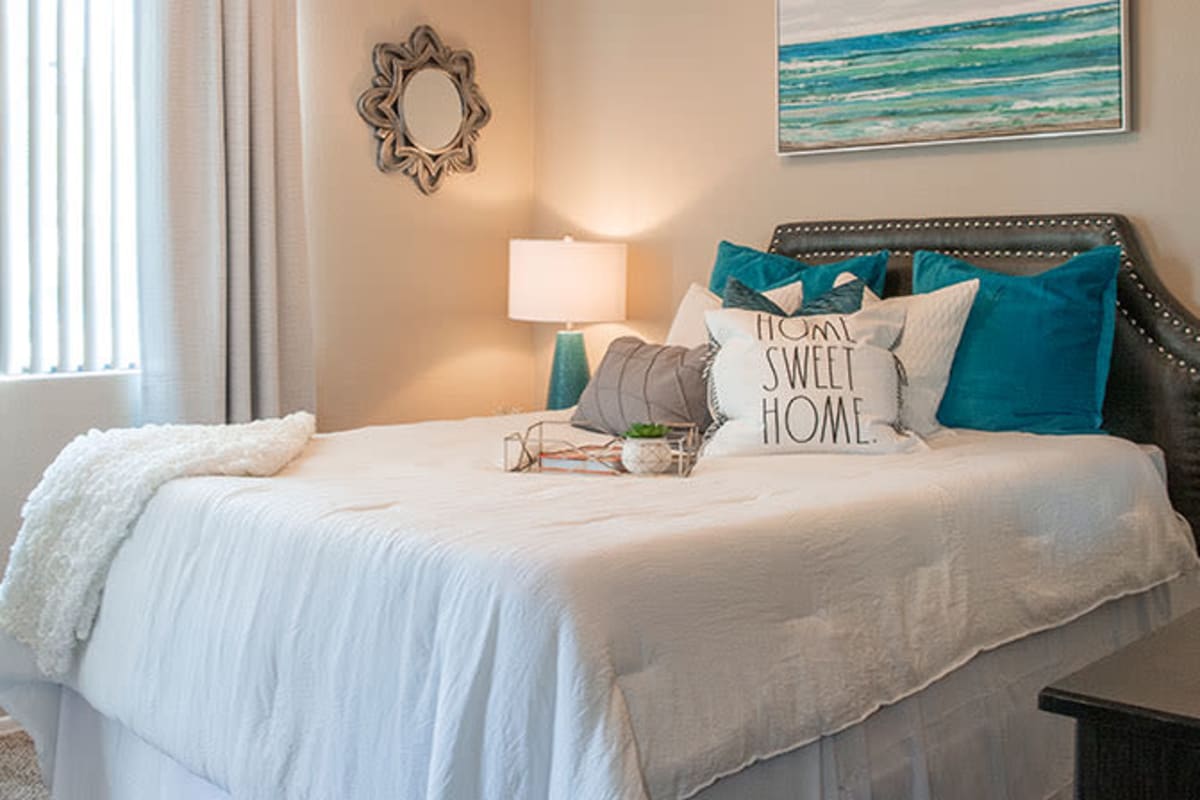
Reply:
x=655 y=123
x=410 y=290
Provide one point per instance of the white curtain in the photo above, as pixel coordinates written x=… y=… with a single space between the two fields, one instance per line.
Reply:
x=226 y=319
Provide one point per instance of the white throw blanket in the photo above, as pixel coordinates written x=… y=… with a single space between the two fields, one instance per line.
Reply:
x=86 y=505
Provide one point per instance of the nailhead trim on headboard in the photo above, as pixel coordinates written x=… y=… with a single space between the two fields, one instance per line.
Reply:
x=1128 y=271
x=1154 y=390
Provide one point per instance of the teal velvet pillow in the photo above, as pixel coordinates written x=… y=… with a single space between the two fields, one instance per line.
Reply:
x=1036 y=349
x=844 y=299
x=765 y=271
x=739 y=295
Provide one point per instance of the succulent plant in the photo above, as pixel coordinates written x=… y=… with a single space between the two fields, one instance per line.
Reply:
x=646 y=430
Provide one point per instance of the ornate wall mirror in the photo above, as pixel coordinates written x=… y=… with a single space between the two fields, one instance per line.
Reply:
x=425 y=108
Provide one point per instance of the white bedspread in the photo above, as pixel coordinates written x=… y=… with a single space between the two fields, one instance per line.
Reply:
x=393 y=617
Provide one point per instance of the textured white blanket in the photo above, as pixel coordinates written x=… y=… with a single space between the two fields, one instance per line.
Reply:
x=87 y=502
x=394 y=617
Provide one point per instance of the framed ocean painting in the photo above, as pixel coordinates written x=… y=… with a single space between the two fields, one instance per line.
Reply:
x=859 y=74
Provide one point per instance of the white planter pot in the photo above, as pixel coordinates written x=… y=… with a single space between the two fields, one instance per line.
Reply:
x=646 y=456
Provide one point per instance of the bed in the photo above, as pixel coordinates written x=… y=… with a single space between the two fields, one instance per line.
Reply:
x=394 y=616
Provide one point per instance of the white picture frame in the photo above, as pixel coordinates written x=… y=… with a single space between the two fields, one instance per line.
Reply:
x=850 y=76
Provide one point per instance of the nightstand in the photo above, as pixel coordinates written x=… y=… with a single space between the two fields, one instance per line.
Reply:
x=1137 y=718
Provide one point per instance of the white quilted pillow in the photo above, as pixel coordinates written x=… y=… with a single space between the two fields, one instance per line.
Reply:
x=933 y=327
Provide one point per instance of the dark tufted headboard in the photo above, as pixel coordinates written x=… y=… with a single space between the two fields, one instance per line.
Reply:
x=1154 y=387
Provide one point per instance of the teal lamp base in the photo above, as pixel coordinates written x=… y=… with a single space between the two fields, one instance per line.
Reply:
x=569 y=375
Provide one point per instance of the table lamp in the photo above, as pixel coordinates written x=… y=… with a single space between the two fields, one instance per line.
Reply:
x=562 y=280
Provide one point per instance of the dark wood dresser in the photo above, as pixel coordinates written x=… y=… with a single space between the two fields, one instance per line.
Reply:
x=1137 y=713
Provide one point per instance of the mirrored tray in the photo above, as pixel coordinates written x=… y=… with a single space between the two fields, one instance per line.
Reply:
x=558 y=446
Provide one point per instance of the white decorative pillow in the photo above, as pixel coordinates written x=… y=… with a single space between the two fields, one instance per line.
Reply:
x=850 y=277
x=687 y=329
x=818 y=384
x=933 y=328
x=788 y=297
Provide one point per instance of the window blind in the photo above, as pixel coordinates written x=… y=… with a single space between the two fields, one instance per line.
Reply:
x=68 y=239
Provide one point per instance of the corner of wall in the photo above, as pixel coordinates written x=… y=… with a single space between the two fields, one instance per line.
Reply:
x=410 y=290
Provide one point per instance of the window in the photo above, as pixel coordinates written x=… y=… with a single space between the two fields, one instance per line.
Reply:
x=68 y=237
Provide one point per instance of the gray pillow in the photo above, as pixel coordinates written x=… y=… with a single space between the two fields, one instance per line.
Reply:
x=639 y=382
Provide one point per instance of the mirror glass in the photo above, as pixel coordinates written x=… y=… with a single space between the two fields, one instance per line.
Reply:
x=433 y=110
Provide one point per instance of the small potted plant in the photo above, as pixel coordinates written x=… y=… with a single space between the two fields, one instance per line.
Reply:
x=645 y=450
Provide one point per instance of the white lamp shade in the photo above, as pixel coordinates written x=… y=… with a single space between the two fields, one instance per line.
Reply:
x=561 y=280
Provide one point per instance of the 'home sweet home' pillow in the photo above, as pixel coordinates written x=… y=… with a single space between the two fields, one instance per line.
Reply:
x=817 y=384
x=688 y=328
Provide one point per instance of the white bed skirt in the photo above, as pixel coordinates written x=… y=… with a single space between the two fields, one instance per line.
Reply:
x=976 y=733
x=98 y=759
